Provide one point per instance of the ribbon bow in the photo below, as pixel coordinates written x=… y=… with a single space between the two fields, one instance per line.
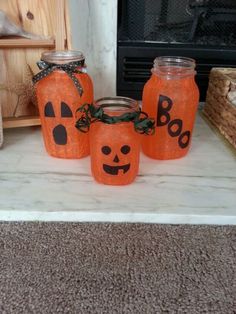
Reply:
x=142 y=123
x=70 y=68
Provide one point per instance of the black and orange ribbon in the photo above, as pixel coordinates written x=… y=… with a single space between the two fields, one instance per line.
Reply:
x=70 y=68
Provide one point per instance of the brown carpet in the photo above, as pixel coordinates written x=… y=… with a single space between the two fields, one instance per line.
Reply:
x=116 y=268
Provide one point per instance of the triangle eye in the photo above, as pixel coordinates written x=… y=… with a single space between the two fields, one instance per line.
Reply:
x=48 y=110
x=65 y=110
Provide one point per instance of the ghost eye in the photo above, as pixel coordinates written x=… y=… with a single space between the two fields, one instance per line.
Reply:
x=48 y=110
x=65 y=110
x=106 y=150
x=125 y=149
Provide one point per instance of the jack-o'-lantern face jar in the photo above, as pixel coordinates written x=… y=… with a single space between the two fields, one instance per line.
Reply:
x=114 y=158
x=61 y=88
x=121 y=164
x=114 y=140
x=115 y=148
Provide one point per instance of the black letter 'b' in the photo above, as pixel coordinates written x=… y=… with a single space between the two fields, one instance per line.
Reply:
x=163 y=116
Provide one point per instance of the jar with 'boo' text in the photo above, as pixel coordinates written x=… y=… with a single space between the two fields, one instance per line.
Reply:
x=62 y=87
x=171 y=96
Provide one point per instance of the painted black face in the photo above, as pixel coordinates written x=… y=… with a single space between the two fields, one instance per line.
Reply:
x=114 y=170
x=59 y=132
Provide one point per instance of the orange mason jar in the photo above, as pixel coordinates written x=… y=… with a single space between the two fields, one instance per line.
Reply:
x=115 y=148
x=114 y=125
x=61 y=88
x=171 y=96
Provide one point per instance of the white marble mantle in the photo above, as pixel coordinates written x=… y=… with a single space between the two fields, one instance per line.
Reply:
x=200 y=188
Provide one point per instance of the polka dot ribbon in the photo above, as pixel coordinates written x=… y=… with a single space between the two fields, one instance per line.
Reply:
x=90 y=114
x=69 y=68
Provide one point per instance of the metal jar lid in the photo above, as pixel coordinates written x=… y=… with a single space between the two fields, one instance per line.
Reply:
x=117 y=103
x=62 y=57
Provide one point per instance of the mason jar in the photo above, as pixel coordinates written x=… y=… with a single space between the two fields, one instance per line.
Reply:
x=115 y=148
x=171 y=96
x=61 y=88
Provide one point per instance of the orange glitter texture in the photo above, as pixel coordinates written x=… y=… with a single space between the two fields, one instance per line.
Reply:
x=115 y=150
x=58 y=100
x=174 y=104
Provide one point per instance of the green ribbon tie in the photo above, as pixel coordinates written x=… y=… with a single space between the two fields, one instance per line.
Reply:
x=91 y=114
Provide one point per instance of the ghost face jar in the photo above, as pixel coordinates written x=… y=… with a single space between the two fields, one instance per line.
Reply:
x=61 y=87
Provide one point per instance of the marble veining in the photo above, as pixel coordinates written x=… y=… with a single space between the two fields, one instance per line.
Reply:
x=200 y=188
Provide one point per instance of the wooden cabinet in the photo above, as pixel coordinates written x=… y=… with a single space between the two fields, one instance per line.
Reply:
x=18 y=56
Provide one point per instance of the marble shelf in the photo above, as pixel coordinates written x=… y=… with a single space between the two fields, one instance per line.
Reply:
x=200 y=188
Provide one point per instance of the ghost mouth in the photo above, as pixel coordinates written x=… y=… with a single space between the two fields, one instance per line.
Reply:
x=114 y=170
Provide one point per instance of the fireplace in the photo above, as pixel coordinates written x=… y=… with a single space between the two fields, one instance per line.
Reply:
x=202 y=29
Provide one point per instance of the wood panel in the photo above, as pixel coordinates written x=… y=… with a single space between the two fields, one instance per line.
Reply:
x=26 y=43
x=18 y=65
x=21 y=122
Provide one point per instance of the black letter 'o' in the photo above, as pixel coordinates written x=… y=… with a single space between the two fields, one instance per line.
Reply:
x=179 y=123
x=180 y=140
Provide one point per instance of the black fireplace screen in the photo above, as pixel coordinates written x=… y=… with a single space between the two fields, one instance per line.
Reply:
x=201 y=29
x=198 y=22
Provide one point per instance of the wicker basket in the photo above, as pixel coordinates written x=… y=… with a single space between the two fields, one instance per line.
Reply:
x=220 y=107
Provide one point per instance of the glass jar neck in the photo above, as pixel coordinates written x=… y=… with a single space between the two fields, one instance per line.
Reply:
x=63 y=57
x=117 y=105
x=174 y=67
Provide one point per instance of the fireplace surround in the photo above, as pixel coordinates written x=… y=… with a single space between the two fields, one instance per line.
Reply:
x=201 y=29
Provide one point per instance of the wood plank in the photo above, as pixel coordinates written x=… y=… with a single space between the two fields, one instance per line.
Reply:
x=68 y=32
x=60 y=25
x=1 y=127
x=21 y=122
x=26 y=43
x=19 y=58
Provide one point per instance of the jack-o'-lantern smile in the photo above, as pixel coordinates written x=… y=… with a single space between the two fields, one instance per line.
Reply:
x=115 y=170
